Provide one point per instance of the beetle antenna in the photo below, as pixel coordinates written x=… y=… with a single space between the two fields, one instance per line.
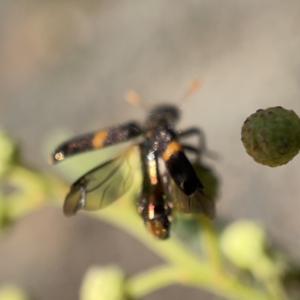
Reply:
x=133 y=98
x=194 y=86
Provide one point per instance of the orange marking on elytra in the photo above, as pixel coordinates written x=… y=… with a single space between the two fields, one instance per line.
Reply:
x=99 y=139
x=172 y=147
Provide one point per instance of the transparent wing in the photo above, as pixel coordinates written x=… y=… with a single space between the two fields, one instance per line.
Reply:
x=104 y=184
x=196 y=203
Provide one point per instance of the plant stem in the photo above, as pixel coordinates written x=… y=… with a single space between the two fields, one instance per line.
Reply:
x=192 y=270
x=153 y=279
x=185 y=267
x=210 y=243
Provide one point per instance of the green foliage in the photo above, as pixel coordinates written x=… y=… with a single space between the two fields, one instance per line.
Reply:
x=225 y=264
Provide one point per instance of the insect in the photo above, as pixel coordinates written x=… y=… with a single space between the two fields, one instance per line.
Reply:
x=169 y=179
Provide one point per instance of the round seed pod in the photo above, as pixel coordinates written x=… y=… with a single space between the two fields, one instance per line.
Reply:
x=272 y=136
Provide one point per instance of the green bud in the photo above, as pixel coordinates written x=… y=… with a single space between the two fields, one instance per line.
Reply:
x=243 y=244
x=12 y=292
x=103 y=283
x=272 y=136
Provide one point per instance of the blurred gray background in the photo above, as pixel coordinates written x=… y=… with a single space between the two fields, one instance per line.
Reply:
x=65 y=65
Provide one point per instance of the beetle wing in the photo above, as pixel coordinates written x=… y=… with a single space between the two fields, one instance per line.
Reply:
x=196 y=202
x=104 y=184
x=96 y=140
